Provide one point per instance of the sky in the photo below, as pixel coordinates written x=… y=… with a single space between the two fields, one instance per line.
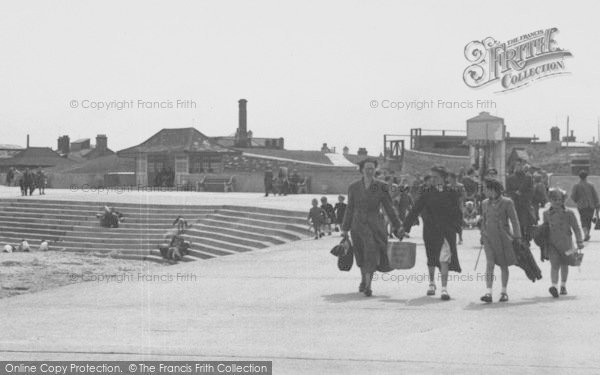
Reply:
x=310 y=70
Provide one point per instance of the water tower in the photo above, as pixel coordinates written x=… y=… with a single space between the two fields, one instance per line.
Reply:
x=486 y=137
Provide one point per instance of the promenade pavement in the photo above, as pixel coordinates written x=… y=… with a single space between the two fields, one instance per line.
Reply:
x=291 y=305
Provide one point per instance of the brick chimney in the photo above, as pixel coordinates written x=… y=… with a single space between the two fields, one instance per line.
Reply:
x=64 y=145
x=101 y=142
x=362 y=151
x=242 y=130
x=345 y=150
x=555 y=134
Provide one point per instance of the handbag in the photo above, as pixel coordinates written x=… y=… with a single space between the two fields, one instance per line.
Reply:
x=575 y=259
x=343 y=251
x=401 y=255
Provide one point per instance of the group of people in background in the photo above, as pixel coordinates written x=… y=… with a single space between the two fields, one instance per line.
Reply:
x=27 y=180
x=321 y=218
x=507 y=217
x=283 y=183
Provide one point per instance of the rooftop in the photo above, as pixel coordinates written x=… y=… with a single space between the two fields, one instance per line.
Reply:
x=177 y=140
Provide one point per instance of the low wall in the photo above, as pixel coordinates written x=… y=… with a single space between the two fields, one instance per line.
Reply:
x=420 y=162
x=326 y=180
x=566 y=183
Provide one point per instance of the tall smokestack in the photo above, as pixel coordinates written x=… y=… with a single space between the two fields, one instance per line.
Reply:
x=243 y=117
x=27 y=140
x=101 y=142
x=242 y=132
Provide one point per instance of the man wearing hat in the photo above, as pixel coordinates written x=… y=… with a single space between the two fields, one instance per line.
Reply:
x=519 y=187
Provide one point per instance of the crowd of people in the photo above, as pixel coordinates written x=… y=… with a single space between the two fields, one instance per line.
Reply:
x=283 y=183
x=507 y=217
x=28 y=180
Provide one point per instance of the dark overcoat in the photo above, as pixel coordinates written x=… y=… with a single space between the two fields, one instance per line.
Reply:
x=442 y=219
x=366 y=225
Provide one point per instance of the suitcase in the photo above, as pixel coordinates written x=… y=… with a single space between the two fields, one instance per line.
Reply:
x=402 y=255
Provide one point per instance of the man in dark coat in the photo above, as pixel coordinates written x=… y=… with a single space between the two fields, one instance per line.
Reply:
x=28 y=181
x=366 y=225
x=294 y=181
x=439 y=208
x=519 y=187
x=10 y=176
x=585 y=196
x=268 y=180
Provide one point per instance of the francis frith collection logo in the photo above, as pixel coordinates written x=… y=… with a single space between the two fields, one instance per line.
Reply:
x=515 y=63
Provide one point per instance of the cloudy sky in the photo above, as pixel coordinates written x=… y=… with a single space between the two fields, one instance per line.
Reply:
x=309 y=69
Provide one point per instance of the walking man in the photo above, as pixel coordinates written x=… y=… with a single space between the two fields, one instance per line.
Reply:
x=585 y=196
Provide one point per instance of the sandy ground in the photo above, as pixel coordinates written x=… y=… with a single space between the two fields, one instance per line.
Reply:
x=30 y=272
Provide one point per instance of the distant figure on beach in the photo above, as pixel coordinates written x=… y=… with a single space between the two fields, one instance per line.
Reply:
x=24 y=246
x=44 y=245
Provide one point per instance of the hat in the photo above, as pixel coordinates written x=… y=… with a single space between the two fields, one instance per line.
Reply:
x=557 y=192
x=362 y=163
x=440 y=169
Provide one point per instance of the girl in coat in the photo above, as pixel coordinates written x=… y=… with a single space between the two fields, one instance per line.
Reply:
x=562 y=225
x=496 y=237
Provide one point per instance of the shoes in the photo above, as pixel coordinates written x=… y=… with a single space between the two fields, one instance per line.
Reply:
x=553 y=291
x=431 y=290
x=586 y=238
x=321 y=234
x=368 y=292
x=487 y=298
x=503 y=297
x=361 y=287
x=445 y=296
x=563 y=290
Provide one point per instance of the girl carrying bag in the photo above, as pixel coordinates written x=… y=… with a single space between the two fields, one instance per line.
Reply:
x=575 y=258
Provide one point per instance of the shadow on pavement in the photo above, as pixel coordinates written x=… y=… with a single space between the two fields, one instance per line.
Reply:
x=348 y=297
x=473 y=306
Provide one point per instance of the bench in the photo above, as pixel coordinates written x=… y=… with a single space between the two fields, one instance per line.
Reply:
x=304 y=186
x=220 y=184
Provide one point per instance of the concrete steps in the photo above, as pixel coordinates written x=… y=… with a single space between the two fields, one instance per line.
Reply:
x=215 y=231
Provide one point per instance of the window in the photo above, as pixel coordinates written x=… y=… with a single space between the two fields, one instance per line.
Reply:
x=205 y=164
x=181 y=164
